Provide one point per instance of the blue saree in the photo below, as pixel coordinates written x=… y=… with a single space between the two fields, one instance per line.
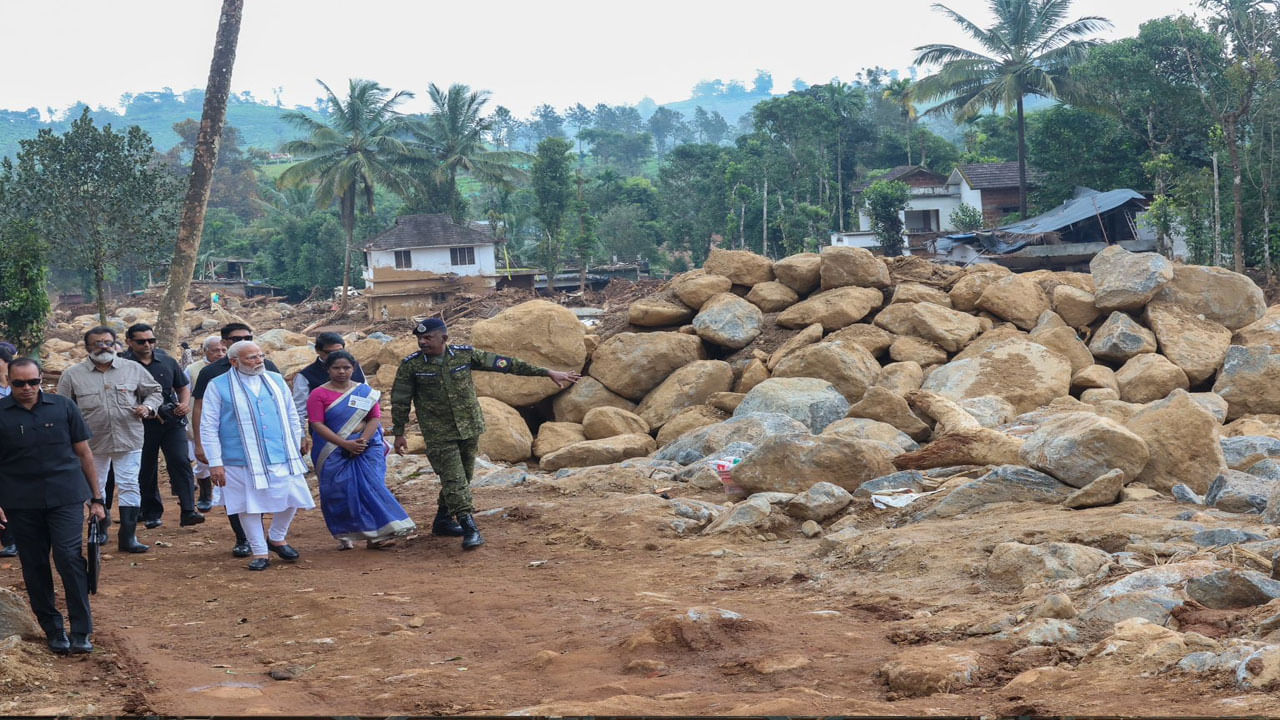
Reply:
x=353 y=493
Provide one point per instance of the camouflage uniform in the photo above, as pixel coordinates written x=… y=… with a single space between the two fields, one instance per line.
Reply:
x=442 y=391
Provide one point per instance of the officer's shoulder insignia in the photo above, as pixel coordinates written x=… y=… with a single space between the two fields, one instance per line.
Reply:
x=410 y=357
x=501 y=363
x=461 y=347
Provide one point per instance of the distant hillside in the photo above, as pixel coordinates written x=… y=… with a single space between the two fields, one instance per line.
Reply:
x=259 y=123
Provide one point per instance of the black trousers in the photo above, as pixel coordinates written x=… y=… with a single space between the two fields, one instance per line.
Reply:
x=171 y=439
x=59 y=530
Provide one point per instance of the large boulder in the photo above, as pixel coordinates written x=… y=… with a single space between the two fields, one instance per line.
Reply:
x=367 y=352
x=1015 y=298
x=832 y=309
x=281 y=339
x=1064 y=341
x=807 y=336
x=506 y=436
x=728 y=321
x=816 y=403
x=913 y=292
x=867 y=429
x=572 y=404
x=820 y=502
x=658 y=311
x=742 y=428
x=605 y=422
x=291 y=360
x=1121 y=338
x=554 y=435
x=1264 y=331
x=1075 y=306
x=750 y=375
x=908 y=348
x=900 y=378
x=1003 y=483
x=883 y=405
x=949 y=329
x=1095 y=377
x=1077 y=447
x=695 y=287
x=632 y=364
x=1149 y=377
x=843 y=266
x=688 y=420
x=691 y=385
x=1221 y=296
x=1024 y=373
x=1183 y=439
x=793 y=463
x=772 y=296
x=604 y=451
x=1250 y=380
x=1127 y=281
x=1015 y=565
x=538 y=332
x=873 y=339
x=740 y=266
x=847 y=366
x=966 y=291
x=801 y=272
x=1195 y=344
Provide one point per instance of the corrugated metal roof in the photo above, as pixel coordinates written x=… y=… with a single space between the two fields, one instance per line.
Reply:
x=432 y=230
x=1088 y=205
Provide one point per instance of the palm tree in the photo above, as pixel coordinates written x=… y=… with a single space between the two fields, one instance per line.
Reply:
x=902 y=93
x=452 y=139
x=358 y=148
x=1029 y=51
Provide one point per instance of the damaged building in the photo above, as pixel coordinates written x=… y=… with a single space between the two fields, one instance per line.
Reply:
x=423 y=260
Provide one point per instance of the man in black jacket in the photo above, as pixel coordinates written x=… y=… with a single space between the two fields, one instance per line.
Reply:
x=166 y=432
x=314 y=375
x=46 y=475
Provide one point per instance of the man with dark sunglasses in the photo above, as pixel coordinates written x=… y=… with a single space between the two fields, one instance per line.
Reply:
x=47 y=474
x=231 y=333
x=165 y=432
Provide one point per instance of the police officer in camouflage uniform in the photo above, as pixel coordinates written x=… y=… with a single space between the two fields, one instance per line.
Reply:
x=437 y=380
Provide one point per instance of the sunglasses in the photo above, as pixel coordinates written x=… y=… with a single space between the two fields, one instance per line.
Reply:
x=25 y=383
x=145 y=341
x=238 y=339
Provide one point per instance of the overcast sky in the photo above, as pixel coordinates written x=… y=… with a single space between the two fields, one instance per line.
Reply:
x=57 y=52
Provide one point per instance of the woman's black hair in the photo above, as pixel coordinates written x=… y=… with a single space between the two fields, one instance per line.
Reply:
x=339 y=355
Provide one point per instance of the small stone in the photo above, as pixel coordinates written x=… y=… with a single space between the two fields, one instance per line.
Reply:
x=810 y=529
x=1104 y=490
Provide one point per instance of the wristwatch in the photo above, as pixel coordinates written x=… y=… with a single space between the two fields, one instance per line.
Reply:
x=98 y=501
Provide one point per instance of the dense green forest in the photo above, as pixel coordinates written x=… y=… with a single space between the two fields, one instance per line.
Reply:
x=1183 y=111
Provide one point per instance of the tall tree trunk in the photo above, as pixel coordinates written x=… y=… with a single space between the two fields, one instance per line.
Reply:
x=182 y=266
x=1237 y=198
x=1266 y=236
x=1022 y=161
x=764 y=238
x=840 y=184
x=349 y=224
x=100 y=289
x=1217 y=214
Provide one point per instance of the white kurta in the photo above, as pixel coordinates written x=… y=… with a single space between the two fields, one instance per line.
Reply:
x=283 y=490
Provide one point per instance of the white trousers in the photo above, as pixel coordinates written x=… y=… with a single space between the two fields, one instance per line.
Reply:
x=127 y=465
x=252 y=524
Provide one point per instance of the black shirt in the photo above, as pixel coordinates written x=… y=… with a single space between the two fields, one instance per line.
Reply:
x=213 y=370
x=38 y=467
x=166 y=371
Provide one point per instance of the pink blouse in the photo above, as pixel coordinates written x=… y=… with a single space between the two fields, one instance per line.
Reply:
x=323 y=397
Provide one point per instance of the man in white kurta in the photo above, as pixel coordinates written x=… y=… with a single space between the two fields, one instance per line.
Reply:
x=254 y=441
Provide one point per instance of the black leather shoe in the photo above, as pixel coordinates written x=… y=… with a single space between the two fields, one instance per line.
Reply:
x=80 y=644
x=241 y=550
x=444 y=524
x=471 y=538
x=286 y=552
x=9 y=550
x=259 y=564
x=152 y=524
x=58 y=643
x=190 y=517
x=204 y=505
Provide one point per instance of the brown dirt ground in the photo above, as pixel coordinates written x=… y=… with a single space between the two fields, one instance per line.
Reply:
x=575 y=606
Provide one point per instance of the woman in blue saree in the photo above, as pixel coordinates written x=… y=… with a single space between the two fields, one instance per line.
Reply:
x=350 y=458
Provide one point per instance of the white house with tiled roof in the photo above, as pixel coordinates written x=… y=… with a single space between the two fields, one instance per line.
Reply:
x=423 y=260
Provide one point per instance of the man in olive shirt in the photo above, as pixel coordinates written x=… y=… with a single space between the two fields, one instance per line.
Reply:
x=115 y=395
x=437 y=380
x=46 y=475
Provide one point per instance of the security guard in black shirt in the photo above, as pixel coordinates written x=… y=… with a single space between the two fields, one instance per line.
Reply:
x=46 y=475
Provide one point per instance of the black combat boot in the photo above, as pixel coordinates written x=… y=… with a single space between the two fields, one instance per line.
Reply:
x=470 y=533
x=204 y=499
x=126 y=535
x=444 y=524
